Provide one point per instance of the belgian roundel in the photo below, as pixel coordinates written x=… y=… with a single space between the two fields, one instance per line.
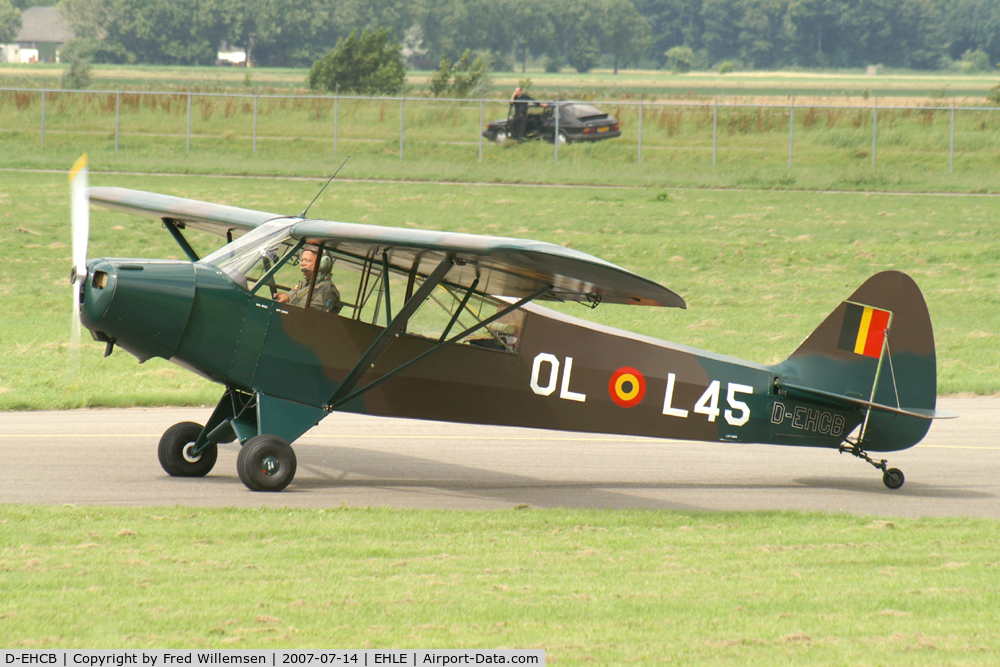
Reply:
x=627 y=387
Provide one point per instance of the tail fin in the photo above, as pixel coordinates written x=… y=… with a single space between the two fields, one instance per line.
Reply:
x=874 y=352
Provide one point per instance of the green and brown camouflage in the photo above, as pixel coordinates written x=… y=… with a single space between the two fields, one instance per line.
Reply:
x=447 y=327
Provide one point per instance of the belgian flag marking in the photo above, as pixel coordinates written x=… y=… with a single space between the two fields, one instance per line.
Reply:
x=864 y=329
x=627 y=387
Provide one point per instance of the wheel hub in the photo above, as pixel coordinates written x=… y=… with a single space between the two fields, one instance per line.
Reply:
x=270 y=465
x=189 y=455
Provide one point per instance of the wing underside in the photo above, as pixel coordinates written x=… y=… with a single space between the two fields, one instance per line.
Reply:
x=497 y=266
x=227 y=221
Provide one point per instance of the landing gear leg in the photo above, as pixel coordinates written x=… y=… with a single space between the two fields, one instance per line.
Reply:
x=892 y=477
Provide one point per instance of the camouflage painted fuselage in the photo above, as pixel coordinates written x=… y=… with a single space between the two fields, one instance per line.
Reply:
x=564 y=374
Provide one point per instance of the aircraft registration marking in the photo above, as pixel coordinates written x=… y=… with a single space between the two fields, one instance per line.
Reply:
x=627 y=388
x=809 y=419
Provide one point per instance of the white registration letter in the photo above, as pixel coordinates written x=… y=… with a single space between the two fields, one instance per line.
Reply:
x=668 y=400
x=564 y=391
x=553 y=374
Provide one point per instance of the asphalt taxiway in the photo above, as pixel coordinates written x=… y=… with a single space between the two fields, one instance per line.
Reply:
x=108 y=457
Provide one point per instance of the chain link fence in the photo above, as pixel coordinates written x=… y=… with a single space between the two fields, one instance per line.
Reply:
x=932 y=135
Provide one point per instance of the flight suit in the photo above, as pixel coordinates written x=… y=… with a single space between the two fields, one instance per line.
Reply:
x=325 y=295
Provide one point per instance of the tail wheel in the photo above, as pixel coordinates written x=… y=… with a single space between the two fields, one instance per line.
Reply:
x=266 y=463
x=177 y=455
x=893 y=478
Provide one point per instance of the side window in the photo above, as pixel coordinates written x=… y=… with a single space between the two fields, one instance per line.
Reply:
x=433 y=318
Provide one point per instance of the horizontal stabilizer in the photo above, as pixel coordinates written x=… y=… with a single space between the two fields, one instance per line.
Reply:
x=850 y=402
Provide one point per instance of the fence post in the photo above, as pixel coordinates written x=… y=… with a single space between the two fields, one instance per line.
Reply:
x=555 y=137
x=402 y=106
x=791 y=130
x=715 y=127
x=951 y=139
x=480 y=127
x=874 y=130
x=118 y=115
x=43 y=115
x=640 y=128
x=336 y=116
x=189 y=122
x=255 y=122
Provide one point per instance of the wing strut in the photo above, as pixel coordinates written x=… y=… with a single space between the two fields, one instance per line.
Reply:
x=338 y=399
x=388 y=334
x=175 y=228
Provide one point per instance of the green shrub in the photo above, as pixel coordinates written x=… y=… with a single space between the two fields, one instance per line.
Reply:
x=370 y=65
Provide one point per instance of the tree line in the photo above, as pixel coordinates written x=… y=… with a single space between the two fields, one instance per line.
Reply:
x=583 y=34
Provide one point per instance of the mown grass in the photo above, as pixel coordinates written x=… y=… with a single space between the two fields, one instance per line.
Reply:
x=623 y=587
x=759 y=269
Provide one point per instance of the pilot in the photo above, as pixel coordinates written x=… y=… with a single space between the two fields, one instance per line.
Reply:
x=325 y=295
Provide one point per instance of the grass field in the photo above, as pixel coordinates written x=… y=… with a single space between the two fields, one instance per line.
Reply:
x=653 y=83
x=688 y=139
x=621 y=587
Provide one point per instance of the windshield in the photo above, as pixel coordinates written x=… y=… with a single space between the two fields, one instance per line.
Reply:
x=249 y=257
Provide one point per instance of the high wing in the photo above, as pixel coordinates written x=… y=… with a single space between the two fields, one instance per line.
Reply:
x=228 y=221
x=505 y=267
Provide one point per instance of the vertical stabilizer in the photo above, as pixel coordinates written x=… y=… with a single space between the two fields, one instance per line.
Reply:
x=876 y=346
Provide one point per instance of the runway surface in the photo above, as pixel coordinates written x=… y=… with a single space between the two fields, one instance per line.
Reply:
x=108 y=457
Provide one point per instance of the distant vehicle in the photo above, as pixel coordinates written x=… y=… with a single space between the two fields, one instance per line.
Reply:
x=577 y=121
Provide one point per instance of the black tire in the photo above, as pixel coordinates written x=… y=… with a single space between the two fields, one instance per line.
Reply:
x=500 y=136
x=266 y=463
x=175 y=456
x=893 y=478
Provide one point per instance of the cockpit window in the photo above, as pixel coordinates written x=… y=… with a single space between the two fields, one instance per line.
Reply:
x=268 y=263
x=248 y=258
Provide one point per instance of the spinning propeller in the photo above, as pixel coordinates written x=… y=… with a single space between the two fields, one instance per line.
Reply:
x=80 y=217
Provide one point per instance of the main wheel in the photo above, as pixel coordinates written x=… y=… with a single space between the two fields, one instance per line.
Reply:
x=176 y=451
x=266 y=463
x=500 y=137
x=893 y=478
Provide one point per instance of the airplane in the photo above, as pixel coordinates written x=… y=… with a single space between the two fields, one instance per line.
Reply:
x=447 y=326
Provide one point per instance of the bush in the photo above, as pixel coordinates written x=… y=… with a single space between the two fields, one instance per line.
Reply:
x=471 y=78
x=370 y=65
x=975 y=61
x=79 y=55
x=467 y=78
x=441 y=78
x=680 y=58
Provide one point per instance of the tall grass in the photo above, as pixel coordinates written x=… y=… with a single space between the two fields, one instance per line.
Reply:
x=684 y=143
